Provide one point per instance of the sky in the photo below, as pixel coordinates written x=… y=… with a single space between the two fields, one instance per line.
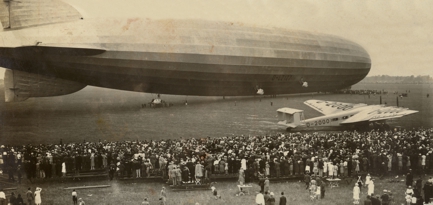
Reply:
x=397 y=34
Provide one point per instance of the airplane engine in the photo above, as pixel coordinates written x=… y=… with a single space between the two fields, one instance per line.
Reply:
x=21 y=85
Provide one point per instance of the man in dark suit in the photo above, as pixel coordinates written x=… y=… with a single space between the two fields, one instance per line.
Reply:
x=368 y=201
x=283 y=199
x=409 y=178
x=374 y=200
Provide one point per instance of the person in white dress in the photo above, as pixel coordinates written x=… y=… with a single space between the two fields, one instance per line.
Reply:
x=63 y=169
x=356 y=191
x=370 y=188
x=244 y=164
x=260 y=199
x=38 y=199
x=367 y=179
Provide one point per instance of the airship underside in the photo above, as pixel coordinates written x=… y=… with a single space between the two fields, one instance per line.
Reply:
x=182 y=57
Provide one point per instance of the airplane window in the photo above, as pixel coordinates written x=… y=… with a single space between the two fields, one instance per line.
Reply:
x=334 y=119
x=345 y=117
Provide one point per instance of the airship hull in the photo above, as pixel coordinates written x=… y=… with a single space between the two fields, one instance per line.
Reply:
x=191 y=57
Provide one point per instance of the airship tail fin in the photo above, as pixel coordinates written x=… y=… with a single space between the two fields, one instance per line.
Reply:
x=19 y=86
x=16 y=14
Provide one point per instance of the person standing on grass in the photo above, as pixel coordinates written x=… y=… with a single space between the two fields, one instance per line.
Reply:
x=374 y=200
x=370 y=188
x=260 y=200
x=63 y=169
x=385 y=198
x=367 y=201
x=81 y=202
x=266 y=197
x=283 y=200
x=322 y=189
x=271 y=199
x=163 y=196
x=356 y=194
x=307 y=180
x=215 y=193
x=30 y=196
x=74 y=197
x=38 y=199
x=266 y=183
x=408 y=199
x=367 y=179
x=13 y=199
x=145 y=202
x=409 y=179
x=2 y=197
x=20 y=200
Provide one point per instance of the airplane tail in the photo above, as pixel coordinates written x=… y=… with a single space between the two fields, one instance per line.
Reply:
x=290 y=117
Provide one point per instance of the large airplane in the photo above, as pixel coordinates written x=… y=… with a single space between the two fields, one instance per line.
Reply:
x=49 y=49
x=338 y=114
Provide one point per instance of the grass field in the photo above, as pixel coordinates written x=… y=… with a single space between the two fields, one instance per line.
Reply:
x=96 y=113
x=129 y=192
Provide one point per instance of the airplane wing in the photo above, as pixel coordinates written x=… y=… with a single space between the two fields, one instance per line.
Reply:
x=382 y=113
x=331 y=107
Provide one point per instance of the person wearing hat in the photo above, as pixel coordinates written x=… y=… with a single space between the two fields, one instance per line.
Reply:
x=30 y=196
x=385 y=197
x=356 y=192
x=409 y=190
x=145 y=202
x=38 y=199
x=271 y=199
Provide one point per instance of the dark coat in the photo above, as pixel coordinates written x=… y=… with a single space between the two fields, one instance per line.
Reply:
x=283 y=200
x=367 y=202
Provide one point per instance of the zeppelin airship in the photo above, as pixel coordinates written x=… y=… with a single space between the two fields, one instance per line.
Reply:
x=49 y=49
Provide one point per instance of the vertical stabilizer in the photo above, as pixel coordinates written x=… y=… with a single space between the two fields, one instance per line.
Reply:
x=290 y=117
x=4 y=15
x=17 y=14
x=19 y=86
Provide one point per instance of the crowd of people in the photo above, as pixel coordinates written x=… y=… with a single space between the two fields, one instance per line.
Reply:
x=338 y=154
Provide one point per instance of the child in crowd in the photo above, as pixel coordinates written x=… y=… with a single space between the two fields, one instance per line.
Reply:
x=215 y=193
x=408 y=199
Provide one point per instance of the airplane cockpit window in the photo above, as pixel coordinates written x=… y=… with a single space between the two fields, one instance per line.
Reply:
x=345 y=117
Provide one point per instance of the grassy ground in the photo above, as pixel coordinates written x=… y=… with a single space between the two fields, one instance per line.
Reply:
x=101 y=114
x=130 y=192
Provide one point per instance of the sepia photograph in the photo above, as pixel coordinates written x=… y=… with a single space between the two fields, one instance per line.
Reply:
x=192 y=102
